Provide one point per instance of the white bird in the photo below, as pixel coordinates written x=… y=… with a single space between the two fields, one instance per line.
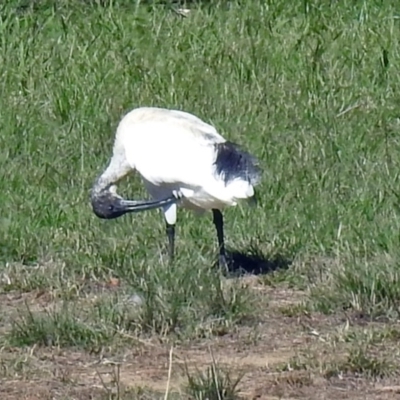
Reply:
x=182 y=161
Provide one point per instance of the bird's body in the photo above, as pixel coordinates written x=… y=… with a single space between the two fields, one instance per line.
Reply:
x=176 y=152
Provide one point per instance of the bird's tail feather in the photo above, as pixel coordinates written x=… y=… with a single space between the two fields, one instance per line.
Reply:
x=233 y=163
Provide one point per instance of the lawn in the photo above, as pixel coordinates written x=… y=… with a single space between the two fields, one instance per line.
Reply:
x=91 y=309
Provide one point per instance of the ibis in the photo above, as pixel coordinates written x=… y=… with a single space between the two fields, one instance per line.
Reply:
x=182 y=161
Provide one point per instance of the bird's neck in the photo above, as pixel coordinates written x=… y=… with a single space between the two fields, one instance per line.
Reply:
x=117 y=169
x=105 y=181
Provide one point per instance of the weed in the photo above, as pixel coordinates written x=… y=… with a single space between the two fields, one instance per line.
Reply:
x=212 y=384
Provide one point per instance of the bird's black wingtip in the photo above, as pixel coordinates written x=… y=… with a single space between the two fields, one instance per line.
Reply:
x=232 y=163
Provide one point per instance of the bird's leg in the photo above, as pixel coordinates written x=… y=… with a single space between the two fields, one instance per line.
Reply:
x=170 y=229
x=170 y=220
x=219 y=225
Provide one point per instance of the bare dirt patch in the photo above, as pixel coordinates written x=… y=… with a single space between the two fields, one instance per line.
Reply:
x=281 y=358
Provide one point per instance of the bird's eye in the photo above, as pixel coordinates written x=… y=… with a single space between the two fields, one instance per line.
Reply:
x=110 y=207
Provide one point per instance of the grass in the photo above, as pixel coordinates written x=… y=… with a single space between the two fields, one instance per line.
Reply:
x=213 y=384
x=355 y=364
x=310 y=89
x=361 y=352
x=370 y=288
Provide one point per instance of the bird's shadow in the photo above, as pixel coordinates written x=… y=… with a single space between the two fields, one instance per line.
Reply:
x=252 y=262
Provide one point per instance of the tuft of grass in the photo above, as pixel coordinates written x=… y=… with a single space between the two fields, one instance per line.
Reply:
x=180 y=304
x=360 y=361
x=370 y=288
x=380 y=334
x=212 y=384
x=57 y=328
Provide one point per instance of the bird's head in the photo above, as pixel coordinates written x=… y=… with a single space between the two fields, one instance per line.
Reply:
x=107 y=204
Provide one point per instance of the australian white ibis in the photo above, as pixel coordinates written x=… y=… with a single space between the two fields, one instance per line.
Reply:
x=182 y=161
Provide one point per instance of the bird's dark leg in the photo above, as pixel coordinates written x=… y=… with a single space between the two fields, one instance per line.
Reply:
x=219 y=225
x=170 y=229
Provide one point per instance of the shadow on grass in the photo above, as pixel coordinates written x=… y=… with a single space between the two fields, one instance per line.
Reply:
x=252 y=262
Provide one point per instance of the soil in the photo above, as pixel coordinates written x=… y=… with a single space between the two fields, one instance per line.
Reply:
x=267 y=355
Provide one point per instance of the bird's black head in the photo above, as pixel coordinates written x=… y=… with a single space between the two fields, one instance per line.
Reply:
x=107 y=205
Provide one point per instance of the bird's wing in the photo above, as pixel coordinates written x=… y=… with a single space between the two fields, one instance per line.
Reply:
x=183 y=122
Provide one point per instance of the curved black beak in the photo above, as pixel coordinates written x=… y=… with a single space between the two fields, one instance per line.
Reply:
x=143 y=205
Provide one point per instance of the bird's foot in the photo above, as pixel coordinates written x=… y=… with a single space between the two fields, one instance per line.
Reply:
x=223 y=263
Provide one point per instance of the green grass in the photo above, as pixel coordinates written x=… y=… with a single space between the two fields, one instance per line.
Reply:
x=371 y=288
x=359 y=362
x=155 y=308
x=365 y=353
x=213 y=384
x=310 y=89
x=58 y=328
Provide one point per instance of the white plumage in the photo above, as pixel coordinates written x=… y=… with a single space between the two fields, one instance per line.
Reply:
x=182 y=160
